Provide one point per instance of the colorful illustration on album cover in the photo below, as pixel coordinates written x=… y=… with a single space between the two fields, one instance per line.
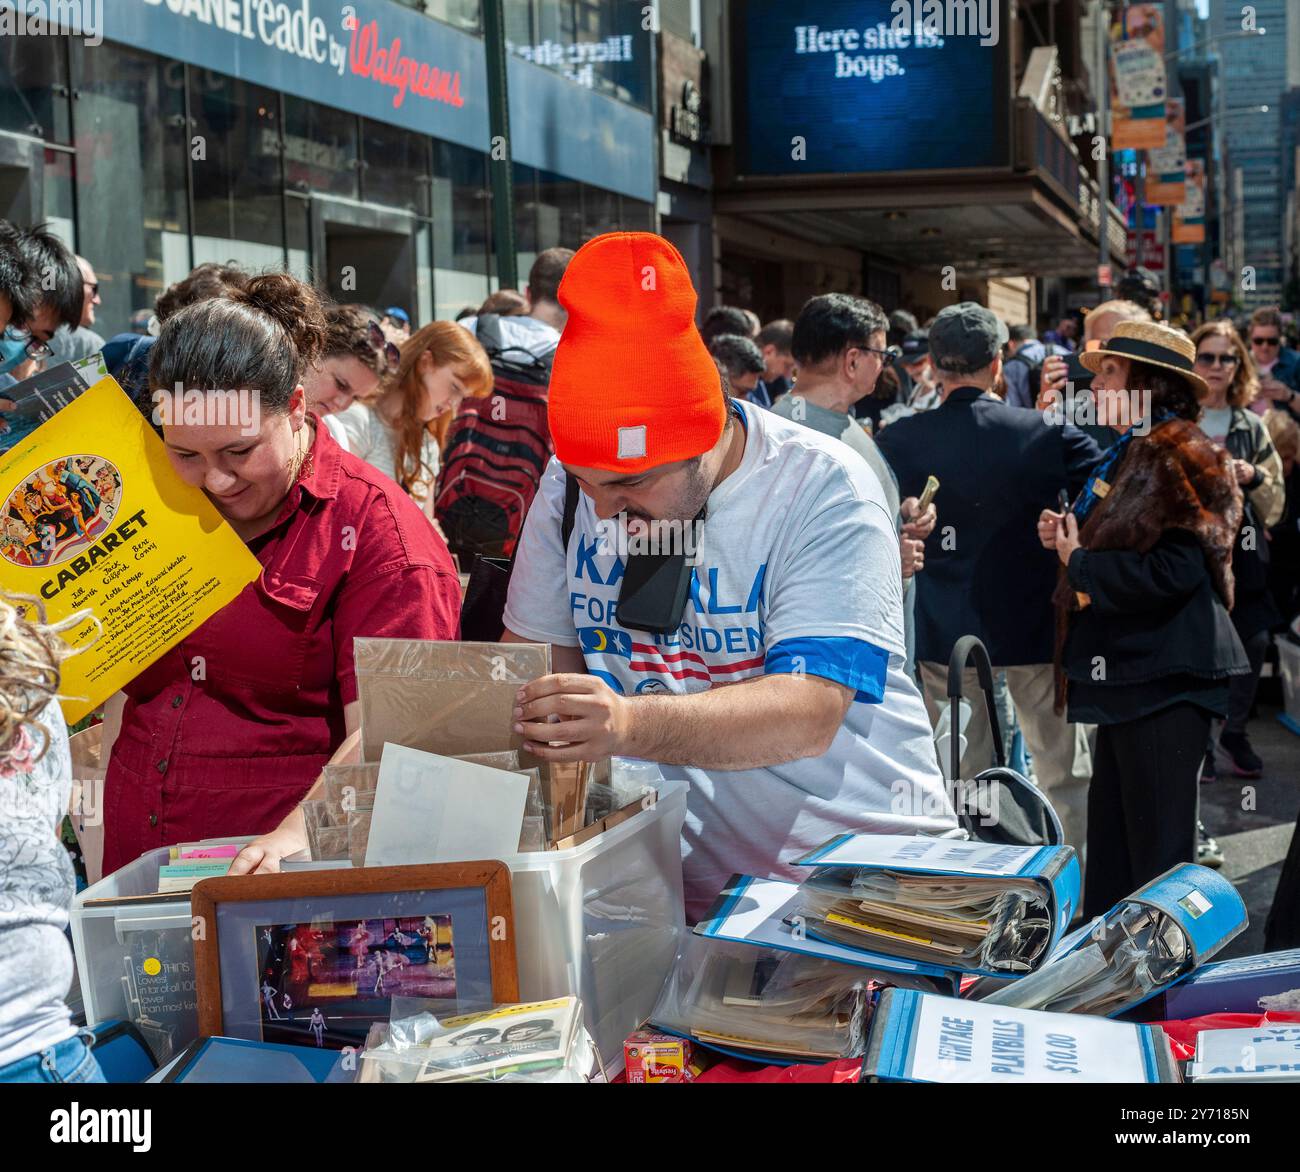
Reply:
x=59 y=510
x=325 y=982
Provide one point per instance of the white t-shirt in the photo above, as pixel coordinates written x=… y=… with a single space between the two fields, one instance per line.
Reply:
x=373 y=440
x=799 y=549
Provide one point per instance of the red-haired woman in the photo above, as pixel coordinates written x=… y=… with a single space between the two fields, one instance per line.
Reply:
x=402 y=431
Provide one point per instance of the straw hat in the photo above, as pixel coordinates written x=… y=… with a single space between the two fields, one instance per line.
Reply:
x=1154 y=344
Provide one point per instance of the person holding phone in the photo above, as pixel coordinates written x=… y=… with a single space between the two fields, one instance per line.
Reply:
x=731 y=592
x=1145 y=647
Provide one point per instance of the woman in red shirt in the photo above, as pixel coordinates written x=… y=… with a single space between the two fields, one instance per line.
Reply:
x=226 y=733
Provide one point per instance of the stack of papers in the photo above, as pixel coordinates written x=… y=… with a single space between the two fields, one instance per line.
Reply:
x=181 y=876
x=971 y=907
x=1270 y=1053
x=764 y=1004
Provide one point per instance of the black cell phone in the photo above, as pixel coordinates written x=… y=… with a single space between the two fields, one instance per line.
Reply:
x=1062 y=501
x=654 y=592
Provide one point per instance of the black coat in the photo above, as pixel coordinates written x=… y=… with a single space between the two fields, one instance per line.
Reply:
x=985 y=572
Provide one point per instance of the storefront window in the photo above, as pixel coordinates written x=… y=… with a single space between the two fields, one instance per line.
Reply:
x=34 y=87
x=59 y=202
x=600 y=44
x=396 y=169
x=130 y=167
x=320 y=149
x=462 y=240
x=238 y=180
x=599 y=212
x=526 y=246
x=466 y=15
x=560 y=211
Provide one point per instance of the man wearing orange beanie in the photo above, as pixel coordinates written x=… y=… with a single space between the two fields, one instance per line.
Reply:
x=791 y=591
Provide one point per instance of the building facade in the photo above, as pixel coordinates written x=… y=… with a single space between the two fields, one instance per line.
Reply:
x=348 y=141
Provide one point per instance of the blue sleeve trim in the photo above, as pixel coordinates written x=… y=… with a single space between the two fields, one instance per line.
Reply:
x=855 y=663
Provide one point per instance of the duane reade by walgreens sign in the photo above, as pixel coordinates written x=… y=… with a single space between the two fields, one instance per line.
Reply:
x=376 y=59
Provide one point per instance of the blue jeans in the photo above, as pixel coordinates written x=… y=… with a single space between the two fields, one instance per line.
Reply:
x=70 y=1061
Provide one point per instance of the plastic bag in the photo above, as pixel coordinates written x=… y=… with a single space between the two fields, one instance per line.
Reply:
x=541 y=1041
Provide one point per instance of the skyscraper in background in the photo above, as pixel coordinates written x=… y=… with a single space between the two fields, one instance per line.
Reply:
x=1254 y=73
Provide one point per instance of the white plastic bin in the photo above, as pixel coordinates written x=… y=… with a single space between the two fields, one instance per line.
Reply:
x=1288 y=659
x=600 y=922
x=136 y=960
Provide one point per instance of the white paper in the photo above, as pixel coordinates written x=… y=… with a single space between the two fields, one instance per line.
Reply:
x=972 y=1041
x=944 y=856
x=1270 y=1053
x=434 y=809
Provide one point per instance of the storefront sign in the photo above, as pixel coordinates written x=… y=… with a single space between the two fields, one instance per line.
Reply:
x=370 y=57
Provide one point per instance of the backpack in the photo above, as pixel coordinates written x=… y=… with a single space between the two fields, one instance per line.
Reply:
x=496 y=451
x=1035 y=368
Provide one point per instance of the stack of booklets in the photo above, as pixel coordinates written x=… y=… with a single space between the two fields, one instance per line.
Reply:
x=922 y=1037
x=1268 y=1053
x=912 y=904
x=763 y=1004
x=192 y=861
x=537 y=1041
x=1158 y=935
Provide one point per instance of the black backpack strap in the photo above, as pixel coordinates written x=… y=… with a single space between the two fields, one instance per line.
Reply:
x=570 y=511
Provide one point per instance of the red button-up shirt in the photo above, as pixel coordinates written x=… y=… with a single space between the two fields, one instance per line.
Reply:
x=228 y=730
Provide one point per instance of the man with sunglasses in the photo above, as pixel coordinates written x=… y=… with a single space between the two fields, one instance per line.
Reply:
x=1278 y=366
x=998 y=467
x=72 y=345
x=769 y=671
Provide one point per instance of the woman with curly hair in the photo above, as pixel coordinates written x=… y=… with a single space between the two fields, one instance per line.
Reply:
x=1145 y=648
x=1223 y=361
x=38 y=1042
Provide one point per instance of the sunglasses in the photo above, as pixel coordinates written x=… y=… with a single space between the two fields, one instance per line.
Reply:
x=93 y=289
x=1261 y=341
x=1216 y=360
x=888 y=354
x=391 y=354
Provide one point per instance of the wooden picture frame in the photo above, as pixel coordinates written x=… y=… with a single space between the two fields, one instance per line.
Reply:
x=209 y=896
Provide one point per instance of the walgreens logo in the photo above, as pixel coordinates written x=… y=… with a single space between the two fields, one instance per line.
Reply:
x=386 y=64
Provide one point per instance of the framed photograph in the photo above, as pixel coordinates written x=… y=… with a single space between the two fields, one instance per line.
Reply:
x=313 y=958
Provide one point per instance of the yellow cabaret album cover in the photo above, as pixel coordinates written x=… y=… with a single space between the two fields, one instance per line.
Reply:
x=95 y=519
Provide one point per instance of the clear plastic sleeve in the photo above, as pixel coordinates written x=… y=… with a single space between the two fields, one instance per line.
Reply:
x=534 y=1042
x=764 y=1002
x=1129 y=954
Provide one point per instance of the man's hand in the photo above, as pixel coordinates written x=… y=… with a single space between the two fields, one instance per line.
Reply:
x=913 y=554
x=1048 y=523
x=1270 y=388
x=918 y=527
x=1055 y=372
x=1067 y=537
x=586 y=718
x=1245 y=471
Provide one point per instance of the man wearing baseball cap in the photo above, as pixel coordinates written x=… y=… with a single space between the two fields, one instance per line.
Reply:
x=996 y=466
x=774 y=681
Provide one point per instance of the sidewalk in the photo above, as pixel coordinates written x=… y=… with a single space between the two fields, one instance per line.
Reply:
x=1255 y=841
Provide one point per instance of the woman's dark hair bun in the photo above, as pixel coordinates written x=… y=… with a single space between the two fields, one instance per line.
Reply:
x=294 y=305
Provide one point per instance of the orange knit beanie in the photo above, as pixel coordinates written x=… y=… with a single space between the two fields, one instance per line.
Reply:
x=633 y=385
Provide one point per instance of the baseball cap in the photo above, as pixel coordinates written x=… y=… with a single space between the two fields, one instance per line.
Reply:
x=398 y=314
x=966 y=337
x=916 y=345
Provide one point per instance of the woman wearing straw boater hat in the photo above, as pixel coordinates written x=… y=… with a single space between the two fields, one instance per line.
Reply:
x=1145 y=647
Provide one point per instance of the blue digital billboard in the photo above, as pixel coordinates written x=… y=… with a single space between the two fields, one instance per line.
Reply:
x=849 y=86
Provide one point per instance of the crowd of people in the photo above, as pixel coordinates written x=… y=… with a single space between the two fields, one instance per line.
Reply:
x=1115 y=520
